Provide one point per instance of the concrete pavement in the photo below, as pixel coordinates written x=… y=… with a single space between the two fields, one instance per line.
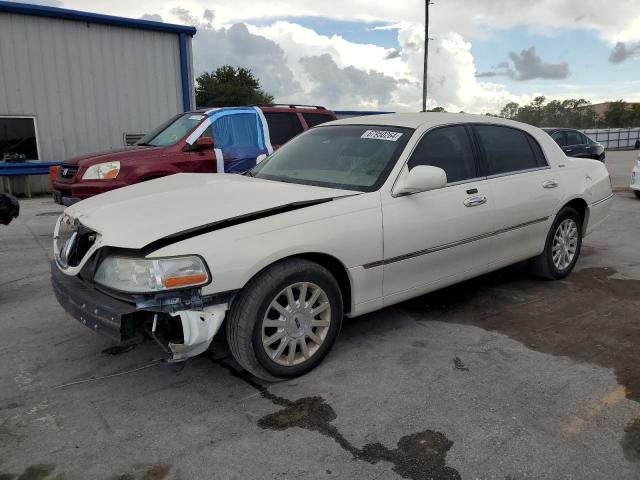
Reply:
x=502 y=377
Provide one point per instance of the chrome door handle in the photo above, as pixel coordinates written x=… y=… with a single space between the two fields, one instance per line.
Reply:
x=550 y=184
x=475 y=201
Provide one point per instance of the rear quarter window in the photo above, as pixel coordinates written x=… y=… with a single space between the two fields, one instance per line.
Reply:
x=283 y=126
x=508 y=149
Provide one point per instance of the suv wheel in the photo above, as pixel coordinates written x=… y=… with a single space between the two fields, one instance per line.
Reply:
x=285 y=320
x=562 y=247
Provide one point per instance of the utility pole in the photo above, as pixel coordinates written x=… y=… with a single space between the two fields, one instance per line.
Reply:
x=426 y=54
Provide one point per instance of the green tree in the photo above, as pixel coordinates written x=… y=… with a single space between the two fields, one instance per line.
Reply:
x=510 y=111
x=572 y=113
x=437 y=109
x=618 y=114
x=229 y=87
x=635 y=115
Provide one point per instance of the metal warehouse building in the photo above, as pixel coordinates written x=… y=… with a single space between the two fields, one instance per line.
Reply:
x=74 y=82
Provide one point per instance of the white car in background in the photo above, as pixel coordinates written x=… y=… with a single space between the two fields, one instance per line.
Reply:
x=347 y=218
x=635 y=178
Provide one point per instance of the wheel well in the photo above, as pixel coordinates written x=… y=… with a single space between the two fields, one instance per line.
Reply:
x=580 y=206
x=339 y=272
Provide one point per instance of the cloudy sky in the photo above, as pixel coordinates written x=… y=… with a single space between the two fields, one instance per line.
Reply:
x=367 y=54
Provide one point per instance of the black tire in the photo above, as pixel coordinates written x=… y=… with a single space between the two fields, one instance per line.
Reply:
x=244 y=322
x=637 y=193
x=543 y=265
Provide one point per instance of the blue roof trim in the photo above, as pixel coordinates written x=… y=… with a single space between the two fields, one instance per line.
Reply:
x=358 y=112
x=66 y=14
x=184 y=72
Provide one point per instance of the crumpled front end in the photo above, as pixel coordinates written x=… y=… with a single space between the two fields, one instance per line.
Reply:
x=182 y=322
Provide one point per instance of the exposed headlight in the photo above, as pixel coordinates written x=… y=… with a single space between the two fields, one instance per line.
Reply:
x=142 y=275
x=102 y=171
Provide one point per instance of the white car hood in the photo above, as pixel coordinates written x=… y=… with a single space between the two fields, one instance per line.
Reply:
x=135 y=216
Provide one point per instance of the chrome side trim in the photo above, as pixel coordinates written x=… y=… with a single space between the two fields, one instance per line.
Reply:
x=601 y=201
x=518 y=172
x=445 y=246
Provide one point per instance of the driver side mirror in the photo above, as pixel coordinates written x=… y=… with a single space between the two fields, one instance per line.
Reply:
x=203 y=143
x=421 y=178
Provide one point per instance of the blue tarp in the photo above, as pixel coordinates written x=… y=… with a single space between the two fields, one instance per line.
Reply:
x=240 y=135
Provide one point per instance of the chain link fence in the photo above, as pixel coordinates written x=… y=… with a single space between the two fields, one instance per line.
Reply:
x=615 y=138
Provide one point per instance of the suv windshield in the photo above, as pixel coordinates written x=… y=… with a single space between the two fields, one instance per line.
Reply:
x=171 y=131
x=349 y=157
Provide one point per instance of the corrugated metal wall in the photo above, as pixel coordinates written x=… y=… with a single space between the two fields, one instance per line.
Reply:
x=86 y=84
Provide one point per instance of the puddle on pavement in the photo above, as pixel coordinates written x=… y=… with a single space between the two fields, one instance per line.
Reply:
x=631 y=441
x=590 y=316
x=419 y=456
x=38 y=471
x=159 y=471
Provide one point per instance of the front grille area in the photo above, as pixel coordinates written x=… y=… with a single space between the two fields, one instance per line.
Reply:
x=67 y=172
x=84 y=241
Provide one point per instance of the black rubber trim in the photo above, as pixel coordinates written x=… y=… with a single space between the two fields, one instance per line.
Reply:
x=229 y=222
x=445 y=246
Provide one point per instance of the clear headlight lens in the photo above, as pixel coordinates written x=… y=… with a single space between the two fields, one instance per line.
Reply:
x=141 y=275
x=102 y=171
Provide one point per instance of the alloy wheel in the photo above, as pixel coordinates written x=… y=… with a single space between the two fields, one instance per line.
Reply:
x=565 y=244
x=296 y=323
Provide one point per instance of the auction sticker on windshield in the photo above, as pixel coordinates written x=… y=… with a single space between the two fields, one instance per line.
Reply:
x=382 y=135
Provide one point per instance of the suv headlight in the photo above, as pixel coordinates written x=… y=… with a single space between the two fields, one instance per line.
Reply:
x=102 y=171
x=142 y=275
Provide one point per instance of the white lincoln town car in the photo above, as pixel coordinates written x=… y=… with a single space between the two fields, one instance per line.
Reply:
x=347 y=218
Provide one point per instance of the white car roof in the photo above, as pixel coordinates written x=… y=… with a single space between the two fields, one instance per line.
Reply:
x=415 y=120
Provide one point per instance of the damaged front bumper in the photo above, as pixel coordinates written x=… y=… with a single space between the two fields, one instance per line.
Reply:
x=183 y=323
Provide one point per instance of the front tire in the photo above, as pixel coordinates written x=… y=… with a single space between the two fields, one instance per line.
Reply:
x=562 y=247
x=285 y=320
x=637 y=193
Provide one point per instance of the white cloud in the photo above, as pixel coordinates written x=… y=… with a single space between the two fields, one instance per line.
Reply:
x=452 y=81
x=239 y=47
x=276 y=52
x=618 y=21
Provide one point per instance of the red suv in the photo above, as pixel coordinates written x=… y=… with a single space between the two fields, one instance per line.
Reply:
x=211 y=140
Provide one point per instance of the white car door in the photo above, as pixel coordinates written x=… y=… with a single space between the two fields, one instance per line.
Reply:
x=525 y=191
x=438 y=237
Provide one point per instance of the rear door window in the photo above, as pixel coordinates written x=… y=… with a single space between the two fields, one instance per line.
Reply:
x=448 y=148
x=282 y=126
x=507 y=149
x=559 y=138
x=314 y=119
x=574 y=138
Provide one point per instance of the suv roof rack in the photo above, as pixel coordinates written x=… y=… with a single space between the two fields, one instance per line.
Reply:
x=297 y=105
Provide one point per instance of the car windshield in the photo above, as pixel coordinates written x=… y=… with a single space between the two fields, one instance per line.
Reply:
x=349 y=157
x=171 y=131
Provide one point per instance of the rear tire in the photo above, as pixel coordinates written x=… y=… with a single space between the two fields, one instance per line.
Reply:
x=637 y=193
x=285 y=320
x=562 y=247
